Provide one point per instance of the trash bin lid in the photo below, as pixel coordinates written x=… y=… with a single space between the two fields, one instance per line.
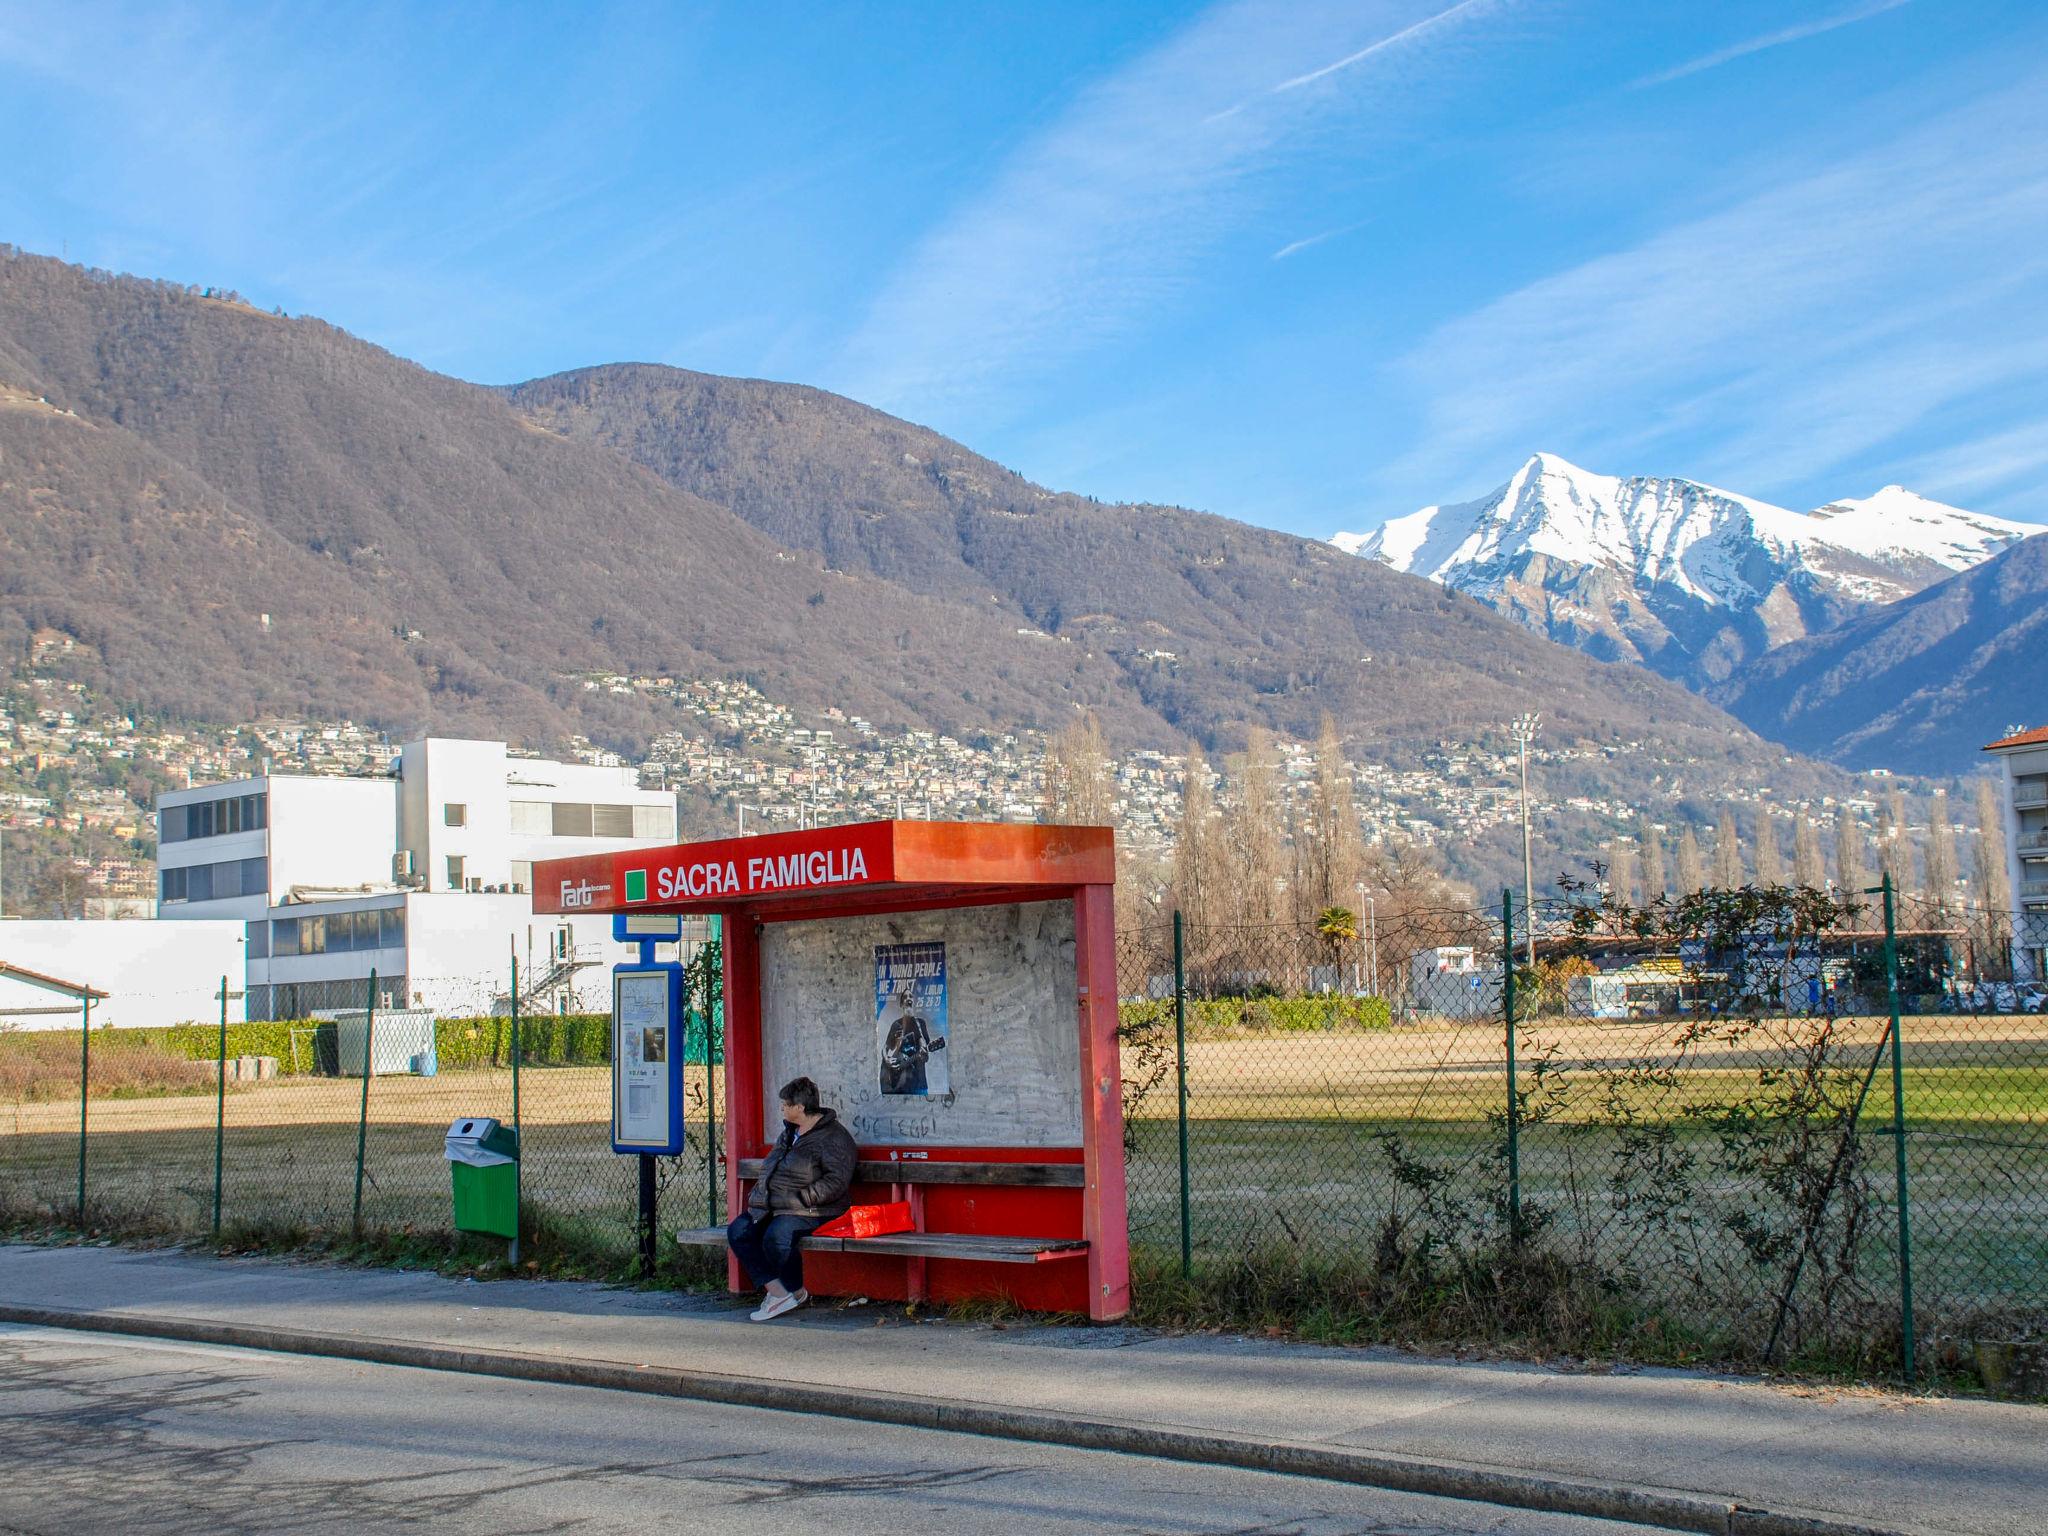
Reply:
x=481 y=1142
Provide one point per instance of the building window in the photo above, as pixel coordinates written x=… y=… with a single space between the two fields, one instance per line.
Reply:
x=391 y=928
x=213 y=818
x=611 y=820
x=655 y=821
x=456 y=866
x=284 y=936
x=533 y=818
x=171 y=885
x=522 y=874
x=454 y=815
x=257 y=937
x=571 y=819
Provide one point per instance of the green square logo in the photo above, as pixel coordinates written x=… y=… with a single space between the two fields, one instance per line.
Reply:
x=636 y=885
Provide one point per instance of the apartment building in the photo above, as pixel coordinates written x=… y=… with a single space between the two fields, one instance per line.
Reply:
x=2024 y=758
x=420 y=877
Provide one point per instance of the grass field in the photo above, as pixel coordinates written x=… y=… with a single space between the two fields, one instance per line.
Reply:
x=1287 y=1145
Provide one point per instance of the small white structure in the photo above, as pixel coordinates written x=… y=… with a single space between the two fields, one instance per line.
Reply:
x=154 y=974
x=421 y=877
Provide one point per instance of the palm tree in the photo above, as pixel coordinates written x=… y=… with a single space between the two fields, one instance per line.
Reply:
x=1337 y=926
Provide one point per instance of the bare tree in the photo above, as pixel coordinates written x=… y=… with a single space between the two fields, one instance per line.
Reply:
x=1080 y=782
x=1691 y=876
x=1328 y=848
x=1621 y=871
x=1940 y=853
x=1994 y=889
x=1851 y=873
x=1197 y=881
x=1727 y=854
x=1654 y=884
x=1894 y=848
x=1809 y=869
x=1254 y=836
x=1770 y=864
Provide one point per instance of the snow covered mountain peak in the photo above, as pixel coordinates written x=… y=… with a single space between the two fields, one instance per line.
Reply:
x=1660 y=569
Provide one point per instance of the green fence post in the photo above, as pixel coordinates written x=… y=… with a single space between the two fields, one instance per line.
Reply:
x=1180 y=1059
x=84 y=1092
x=363 y=1116
x=220 y=1105
x=1507 y=958
x=1891 y=979
x=518 y=1168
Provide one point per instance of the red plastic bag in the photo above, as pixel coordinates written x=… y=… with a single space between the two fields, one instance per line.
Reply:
x=869 y=1221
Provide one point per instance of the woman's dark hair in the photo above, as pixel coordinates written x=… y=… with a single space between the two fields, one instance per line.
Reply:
x=801 y=1092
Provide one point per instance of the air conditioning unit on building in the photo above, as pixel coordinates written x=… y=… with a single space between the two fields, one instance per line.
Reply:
x=401 y=866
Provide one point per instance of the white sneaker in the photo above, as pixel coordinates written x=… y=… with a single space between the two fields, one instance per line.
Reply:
x=775 y=1306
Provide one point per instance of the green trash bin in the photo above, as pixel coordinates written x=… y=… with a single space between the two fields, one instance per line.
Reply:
x=483 y=1158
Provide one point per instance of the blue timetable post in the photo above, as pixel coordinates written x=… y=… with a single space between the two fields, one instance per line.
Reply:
x=648 y=1020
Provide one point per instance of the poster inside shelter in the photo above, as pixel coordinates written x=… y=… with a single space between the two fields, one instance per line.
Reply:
x=910 y=1019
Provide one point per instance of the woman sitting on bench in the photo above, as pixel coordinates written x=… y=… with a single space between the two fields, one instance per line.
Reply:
x=804 y=1184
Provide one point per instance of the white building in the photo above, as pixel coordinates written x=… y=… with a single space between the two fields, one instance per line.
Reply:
x=2024 y=756
x=420 y=878
x=152 y=974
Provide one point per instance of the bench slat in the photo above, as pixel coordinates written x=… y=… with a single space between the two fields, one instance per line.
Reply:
x=1036 y=1175
x=925 y=1245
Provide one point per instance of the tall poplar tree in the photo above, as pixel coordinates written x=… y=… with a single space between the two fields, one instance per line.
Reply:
x=1770 y=865
x=1941 y=853
x=1329 y=849
x=1691 y=878
x=1654 y=883
x=1727 y=854
x=1994 y=886
x=1255 y=831
x=1850 y=870
x=1198 y=878
x=1809 y=869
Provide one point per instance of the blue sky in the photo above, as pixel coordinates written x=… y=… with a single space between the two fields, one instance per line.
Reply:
x=1307 y=264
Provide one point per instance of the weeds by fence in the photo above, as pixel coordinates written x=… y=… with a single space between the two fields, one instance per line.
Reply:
x=1749 y=1126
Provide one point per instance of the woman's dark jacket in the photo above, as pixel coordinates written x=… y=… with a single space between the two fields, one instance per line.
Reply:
x=808 y=1176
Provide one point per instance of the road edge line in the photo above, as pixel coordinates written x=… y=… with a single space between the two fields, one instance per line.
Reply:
x=1377 y=1469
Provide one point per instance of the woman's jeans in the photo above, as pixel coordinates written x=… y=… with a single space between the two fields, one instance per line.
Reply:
x=767 y=1249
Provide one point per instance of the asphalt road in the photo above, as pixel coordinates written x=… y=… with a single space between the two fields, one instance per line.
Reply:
x=100 y=1433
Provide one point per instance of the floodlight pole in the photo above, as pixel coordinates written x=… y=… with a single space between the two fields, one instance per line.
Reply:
x=1525 y=729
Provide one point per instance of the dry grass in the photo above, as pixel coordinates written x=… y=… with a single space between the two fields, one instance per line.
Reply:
x=43 y=1067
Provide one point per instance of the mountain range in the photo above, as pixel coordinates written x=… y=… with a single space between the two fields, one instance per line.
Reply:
x=240 y=513
x=1917 y=685
x=1689 y=580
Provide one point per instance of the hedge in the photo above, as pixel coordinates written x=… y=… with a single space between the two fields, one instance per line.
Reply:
x=546 y=1040
x=1212 y=1016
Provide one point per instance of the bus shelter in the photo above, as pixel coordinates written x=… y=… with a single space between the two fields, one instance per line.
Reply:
x=951 y=989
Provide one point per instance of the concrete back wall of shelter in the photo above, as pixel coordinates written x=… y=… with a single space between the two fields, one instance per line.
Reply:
x=1013 y=1052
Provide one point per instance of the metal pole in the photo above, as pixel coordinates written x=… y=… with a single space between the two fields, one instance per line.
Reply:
x=519 y=1141
x=1891 y=977
x=363 y=1116
x=1180 y=1058
x=220 y=1105
x=710 y=1001
x=646 y=1215
x=1528 y=864
x=1507 y=917
x=1372 y=927
x=84 y=1092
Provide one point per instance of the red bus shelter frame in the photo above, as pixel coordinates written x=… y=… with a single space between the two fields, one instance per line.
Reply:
x=883 y=867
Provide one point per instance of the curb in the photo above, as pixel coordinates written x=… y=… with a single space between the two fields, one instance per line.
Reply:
x=1377 y=1469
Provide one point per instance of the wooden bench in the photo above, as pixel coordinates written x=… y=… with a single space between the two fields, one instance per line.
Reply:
x=937 y=1245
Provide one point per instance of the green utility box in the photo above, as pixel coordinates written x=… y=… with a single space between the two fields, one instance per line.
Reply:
x=483 y=1157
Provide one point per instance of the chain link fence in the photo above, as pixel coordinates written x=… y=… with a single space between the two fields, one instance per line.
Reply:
x=1755 y=1125
x=272 y=1131
x=1750 y=1126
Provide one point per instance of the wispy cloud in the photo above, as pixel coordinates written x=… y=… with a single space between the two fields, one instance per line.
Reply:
x=1294 y=246
x=1806 y=325
x=1096 y=220
x=1776 y=39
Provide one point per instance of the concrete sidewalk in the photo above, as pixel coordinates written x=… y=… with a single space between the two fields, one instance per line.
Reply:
x=1666 y=1448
